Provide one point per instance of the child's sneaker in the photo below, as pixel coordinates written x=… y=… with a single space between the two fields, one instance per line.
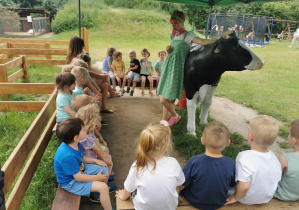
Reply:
x=110 y=179
x=112 y=188
x=128 y=90
x=122 y=91
x=132 y=92
x=94 y=197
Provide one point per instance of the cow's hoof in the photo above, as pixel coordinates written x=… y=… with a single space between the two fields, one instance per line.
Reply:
x=192 y=133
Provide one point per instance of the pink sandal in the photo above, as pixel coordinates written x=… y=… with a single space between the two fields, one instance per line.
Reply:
x=173 y=120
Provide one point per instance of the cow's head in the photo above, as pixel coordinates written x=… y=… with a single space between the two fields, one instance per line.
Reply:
x=235 y=55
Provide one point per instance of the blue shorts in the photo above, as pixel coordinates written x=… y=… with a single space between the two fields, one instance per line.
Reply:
x=83 y=188
x=135 y=77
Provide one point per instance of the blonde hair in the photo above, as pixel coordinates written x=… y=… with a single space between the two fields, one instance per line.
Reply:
x=216 y=136
x=264 y=130
x=67 y=68
x=110 y=51
x=79 y=72
x=294 y=129
x=79 y=62
x=80 y=101
x=132 y=52
x=162 y=51
x=88 y=114
x=154 y=139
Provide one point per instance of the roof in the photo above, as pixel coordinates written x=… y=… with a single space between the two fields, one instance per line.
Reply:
x=30 y=10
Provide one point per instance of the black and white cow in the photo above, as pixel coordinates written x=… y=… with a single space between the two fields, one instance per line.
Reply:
x=204 y=67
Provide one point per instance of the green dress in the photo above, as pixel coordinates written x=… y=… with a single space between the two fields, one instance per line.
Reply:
x=171 y=83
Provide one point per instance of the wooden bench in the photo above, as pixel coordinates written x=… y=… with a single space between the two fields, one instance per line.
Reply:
x=147 y=84
x=65 y=200
x=185 y=205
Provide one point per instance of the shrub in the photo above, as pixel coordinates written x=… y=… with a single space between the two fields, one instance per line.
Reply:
x=67 y=18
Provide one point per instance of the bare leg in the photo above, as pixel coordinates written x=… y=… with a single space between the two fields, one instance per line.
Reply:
x=129 y=83
x=143 y=78
x=150 y=79
x=134 y=85
x=165 y=113
x=169 y=106
x=104 y=88
x=102 y=188
x=124 y=81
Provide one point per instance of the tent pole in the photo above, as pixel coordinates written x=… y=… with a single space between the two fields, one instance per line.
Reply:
x=79 y=19
x=208 y=22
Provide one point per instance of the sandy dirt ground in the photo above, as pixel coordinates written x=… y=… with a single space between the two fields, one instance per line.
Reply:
x=132 y=114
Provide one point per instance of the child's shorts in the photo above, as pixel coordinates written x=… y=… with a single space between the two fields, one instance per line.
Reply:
x=83 y=188
x=135 y=77
x=144 y=75
x=110 y=74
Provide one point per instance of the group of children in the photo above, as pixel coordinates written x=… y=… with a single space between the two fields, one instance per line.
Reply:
x=78 y=102
x=211 y=180
x=142 y=70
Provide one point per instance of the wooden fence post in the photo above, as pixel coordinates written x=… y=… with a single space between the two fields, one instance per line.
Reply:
x=9 y=45
x=33 y=27
x=25 y=69
x=84 y=34
x=3 y=78
x=48 y=46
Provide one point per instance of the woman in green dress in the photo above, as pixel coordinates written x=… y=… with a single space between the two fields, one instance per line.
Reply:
x=172 y=77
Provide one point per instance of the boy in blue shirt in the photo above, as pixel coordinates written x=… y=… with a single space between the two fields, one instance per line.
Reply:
x=209 y=176
x=75 y=172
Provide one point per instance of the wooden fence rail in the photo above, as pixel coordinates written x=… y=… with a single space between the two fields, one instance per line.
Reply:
x=41 y=130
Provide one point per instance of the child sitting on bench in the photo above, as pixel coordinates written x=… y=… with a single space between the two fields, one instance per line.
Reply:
x=288 y=187
x=75 y=172
x=258 y=170
x=153 y=178
x=210 y=176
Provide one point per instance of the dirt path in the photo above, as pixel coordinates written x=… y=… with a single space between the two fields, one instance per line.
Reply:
x=132 y=114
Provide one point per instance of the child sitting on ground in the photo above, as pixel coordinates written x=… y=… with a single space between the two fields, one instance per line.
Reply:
x=118 y=67
x=209 y=176
x=75 y=172
x=153 y=178
x=146 y=71
x=133 y=72
x=288 y=187
x=91 y=147
x=65 y=83
x=258 y=170
x=107 y=65
x=159 y=66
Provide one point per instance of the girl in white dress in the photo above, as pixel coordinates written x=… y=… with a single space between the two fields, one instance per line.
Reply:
x=153 y=178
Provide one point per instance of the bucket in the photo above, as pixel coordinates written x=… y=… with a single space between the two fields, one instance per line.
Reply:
x=183 y=102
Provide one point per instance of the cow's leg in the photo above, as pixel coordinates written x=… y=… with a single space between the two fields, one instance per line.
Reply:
x=191 y=109
x=206 y=103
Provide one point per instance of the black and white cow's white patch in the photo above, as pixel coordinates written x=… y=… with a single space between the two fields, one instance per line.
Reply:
x=204 y=67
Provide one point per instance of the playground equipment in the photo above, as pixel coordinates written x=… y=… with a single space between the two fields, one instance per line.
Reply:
x=243 y=24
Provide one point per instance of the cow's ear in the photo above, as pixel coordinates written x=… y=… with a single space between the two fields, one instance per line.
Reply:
x=218 y=48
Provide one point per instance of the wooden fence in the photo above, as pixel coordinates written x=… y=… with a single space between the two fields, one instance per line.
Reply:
x=40 y=131
x=38 y=135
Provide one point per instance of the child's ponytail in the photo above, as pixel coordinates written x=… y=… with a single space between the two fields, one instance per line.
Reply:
x=153 y=139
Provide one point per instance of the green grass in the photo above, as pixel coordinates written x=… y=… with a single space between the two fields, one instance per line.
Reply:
x=189 y=145
x=272 y=90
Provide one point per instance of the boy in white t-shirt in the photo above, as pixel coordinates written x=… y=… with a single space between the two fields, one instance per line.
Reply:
x=258 y=170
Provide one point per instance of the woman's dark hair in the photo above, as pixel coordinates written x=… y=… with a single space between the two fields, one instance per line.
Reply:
x=64 y=78
x=68 y=128
x=75 y=48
